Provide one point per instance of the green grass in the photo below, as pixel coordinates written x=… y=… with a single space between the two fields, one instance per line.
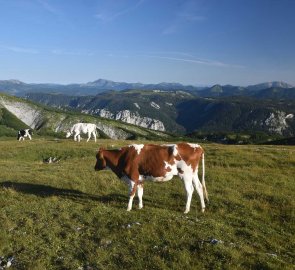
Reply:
x=67 y=216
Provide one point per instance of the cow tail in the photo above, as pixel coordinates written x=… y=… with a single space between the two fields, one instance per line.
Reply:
x=203 y=177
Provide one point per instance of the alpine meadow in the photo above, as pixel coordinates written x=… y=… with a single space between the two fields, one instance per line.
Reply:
x=64 y=215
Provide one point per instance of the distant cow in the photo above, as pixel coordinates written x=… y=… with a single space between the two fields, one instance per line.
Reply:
x=24 y=133
x=138 y=162
x=79 y=128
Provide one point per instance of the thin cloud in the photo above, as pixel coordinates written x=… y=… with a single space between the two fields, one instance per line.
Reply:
x=110 y=15
x=17 y=49
x=49 y=8
x=73 y=53
x=199 y=61
x=188 y=13
x=170 y=29
x=181 y=21
x=191 y=17
x=173 y=53
x=57 y=13
x=175 y=56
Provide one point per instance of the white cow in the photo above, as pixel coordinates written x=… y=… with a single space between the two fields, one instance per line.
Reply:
x=84 y=128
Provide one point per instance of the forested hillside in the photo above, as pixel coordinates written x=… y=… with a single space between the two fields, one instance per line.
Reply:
x=17 y=113
x=181 y=112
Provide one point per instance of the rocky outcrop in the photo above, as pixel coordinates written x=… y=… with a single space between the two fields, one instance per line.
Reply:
x=28 y=114
x=129 y=117
x=110 y=131
x=136 y=119
x=155 y=105
x=277 y=122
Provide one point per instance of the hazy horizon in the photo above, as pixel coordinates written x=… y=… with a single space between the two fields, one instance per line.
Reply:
x=195 y=85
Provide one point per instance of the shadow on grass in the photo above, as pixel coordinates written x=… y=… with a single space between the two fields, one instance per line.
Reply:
x=114 y=199
x=76 y=195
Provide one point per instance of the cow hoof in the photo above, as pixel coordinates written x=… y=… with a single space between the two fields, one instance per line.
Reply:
x=140 y=207
x=186 y=211
x=203 y=210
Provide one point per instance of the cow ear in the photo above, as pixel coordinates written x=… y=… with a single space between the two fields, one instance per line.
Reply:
x=100 y=153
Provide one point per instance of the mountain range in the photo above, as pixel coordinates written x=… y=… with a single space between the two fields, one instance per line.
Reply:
x=173 y=108
x=18 y=88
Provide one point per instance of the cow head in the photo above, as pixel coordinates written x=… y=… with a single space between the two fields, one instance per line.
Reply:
x=100 y=161
x=69 y=133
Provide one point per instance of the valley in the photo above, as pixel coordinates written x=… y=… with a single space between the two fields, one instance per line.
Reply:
x=173 y=110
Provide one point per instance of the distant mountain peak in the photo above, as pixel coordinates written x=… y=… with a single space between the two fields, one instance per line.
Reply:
x=100 y=82
x=15 y=81
x=217 y=88
x=265 y=85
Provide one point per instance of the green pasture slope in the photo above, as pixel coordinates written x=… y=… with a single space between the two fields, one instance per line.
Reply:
x=67 y=216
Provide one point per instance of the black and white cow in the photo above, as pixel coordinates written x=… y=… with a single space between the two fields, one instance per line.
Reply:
x=23 y=133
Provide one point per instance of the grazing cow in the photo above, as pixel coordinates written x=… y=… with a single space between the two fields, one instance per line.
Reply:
x=136 y=163
x=23 y=133
x=79 y=128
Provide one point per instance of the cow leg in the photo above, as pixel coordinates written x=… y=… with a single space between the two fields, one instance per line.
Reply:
x=94 y=135
x=199 y=189
x=89 y=136
x=140 y=194
x=79 y=137
x=189 y=191
x=132 y=191
x=75 y=137
x=29 y=136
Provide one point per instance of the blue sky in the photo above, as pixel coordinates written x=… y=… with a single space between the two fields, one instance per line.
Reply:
x=198 y=42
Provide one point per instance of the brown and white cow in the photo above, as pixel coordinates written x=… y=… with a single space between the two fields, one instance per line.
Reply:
x=136 y=163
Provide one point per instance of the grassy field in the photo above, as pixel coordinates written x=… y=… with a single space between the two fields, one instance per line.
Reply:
x=67 y=216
